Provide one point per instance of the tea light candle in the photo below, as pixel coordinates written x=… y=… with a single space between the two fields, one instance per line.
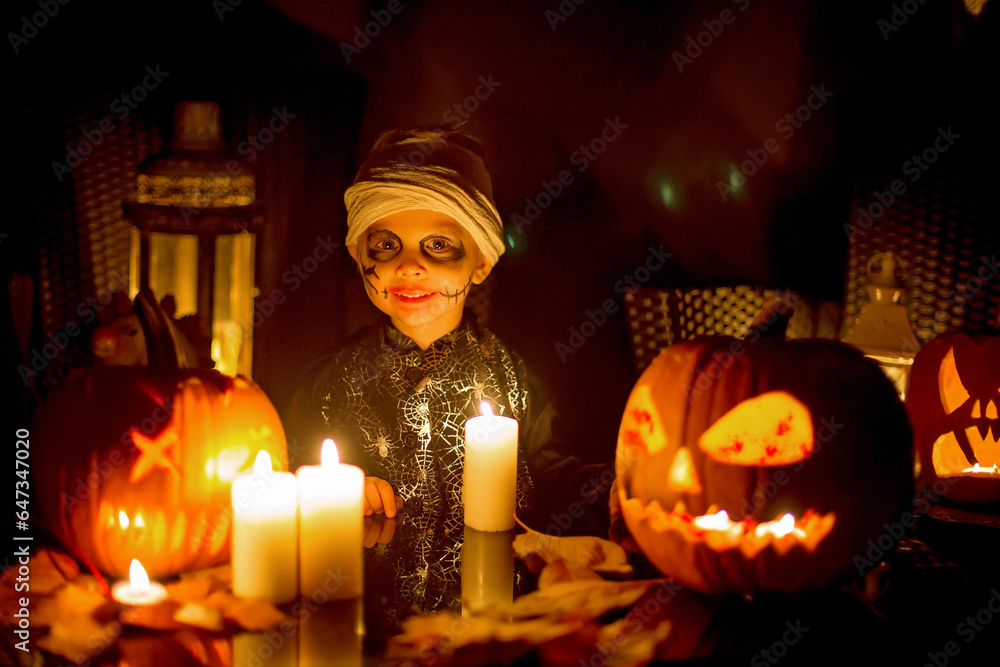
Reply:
x=138 y=591
x=331 y=527
x=265 y=543
x=489 y=485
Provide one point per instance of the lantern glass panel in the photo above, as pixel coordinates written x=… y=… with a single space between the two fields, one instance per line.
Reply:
x=232 y=331
x=173 y=269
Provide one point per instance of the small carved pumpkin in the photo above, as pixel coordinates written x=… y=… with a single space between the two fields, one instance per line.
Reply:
x=762 y=464
x=137 y=461
x=953 y=401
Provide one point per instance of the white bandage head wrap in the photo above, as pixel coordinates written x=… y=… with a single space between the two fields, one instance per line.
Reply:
x=436 y=170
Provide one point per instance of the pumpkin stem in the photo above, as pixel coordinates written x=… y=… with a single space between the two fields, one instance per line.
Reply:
x=166 y=347
x=771 y=321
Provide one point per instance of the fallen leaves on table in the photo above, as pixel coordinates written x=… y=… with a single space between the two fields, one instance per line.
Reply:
x=593 y=553
x=588 y=598
x=446 y=638
x=558 y=572
x=248 y=613
x=79 y=622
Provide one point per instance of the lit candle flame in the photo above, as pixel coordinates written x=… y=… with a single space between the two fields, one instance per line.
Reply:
x=139 y=523
x=485 y=409
x=122 y=519
x=976 y=468
x=718 y=521
x=137 y=576
x=262 y=464
x=328 y=455
x=780 y=527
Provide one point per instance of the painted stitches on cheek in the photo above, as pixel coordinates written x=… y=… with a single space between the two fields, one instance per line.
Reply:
x=382 y=245
x=368 y=272
x=458 y=294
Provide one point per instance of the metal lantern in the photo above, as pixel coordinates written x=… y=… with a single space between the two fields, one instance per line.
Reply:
x=195 y=220
x=882 y=329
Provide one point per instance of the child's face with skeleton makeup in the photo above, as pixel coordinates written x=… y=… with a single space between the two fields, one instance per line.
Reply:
x=418 y=267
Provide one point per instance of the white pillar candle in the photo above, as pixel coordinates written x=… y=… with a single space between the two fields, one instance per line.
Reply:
x=331 y=528
x=489 y=485
x=487 y=571
x=265 y=543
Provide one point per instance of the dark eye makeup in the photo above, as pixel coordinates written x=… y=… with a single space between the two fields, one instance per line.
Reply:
x=383 y=246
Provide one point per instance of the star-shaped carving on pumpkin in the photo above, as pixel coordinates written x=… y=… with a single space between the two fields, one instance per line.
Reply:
x=153 y=452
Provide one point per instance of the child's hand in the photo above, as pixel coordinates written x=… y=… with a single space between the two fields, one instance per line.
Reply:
x=379 y=498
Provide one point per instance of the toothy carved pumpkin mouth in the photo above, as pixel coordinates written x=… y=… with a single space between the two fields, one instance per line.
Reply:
x=954 y=405
x=803 y=444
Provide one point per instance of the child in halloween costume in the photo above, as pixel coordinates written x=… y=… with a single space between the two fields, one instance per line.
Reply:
x=423 y=230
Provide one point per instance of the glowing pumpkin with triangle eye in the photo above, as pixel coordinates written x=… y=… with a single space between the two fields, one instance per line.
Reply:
x=762 y=464
x=953 y=401
x=137 y=462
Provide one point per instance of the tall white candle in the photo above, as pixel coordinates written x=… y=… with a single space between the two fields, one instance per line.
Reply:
x=265 y=541
x=331 y=528
x=489 y=486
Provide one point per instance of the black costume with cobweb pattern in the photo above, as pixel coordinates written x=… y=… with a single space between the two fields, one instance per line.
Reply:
x=399 y=412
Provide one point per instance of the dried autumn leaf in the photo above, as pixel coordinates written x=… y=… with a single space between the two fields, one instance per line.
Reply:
x=558 y=572
x=200 y=616
x=79 y=598
x=191 y=589
x=587 y=598
x=248 y=613
x=625 y=645
x=49 y=570
x=79 y=638
x=584 y=551
x=445 y=638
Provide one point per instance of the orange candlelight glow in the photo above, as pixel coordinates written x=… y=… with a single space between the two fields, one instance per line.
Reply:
x=138 y=590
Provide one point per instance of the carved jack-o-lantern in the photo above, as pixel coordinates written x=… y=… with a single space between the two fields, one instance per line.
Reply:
x=763 y=465
x=137 y=462
x=953 y=401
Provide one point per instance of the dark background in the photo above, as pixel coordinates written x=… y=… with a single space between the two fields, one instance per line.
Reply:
x=558 y=83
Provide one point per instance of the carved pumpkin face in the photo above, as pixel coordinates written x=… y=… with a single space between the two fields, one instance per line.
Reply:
x=137 y=462
x=953 y=402
x=761 y=466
